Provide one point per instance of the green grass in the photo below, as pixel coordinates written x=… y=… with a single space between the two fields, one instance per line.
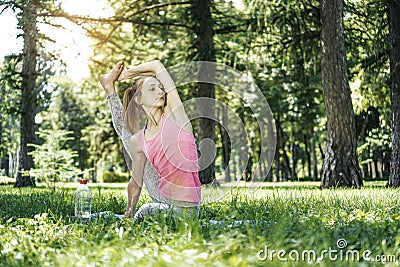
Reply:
x=37 y=229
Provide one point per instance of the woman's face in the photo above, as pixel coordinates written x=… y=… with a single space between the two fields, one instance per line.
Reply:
x=152 y=93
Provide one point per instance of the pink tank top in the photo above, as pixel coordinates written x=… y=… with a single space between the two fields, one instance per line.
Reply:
x=173 y=153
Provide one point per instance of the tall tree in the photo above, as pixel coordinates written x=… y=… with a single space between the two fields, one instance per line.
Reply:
x=394 y=34
x=203 y=29
x=28 y=98
x=340 y=166
x=29 y=80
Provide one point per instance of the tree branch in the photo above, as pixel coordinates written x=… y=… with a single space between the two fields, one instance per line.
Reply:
x=161 y=5
x=82 y=19
x=1 y=12
x=228 y=30
x=9 y=4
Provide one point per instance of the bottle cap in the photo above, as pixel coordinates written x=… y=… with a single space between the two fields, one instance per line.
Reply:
x=83 y=181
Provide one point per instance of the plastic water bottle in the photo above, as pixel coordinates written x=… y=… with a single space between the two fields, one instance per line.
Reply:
x=83 y=202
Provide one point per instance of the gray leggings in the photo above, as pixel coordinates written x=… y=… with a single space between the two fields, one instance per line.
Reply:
x=151 y=209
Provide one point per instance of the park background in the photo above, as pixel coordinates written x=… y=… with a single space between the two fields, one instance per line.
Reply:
x=329 y=71
x=50 y=88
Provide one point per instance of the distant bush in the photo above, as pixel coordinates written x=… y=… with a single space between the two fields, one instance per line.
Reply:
x=114 y=177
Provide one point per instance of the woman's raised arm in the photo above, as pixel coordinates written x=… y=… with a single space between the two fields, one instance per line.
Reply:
x=174 y=107
x=108 y=83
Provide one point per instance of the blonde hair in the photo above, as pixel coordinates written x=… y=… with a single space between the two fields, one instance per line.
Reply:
x=133 y=110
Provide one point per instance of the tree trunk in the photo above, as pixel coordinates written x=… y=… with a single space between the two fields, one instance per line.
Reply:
x=262 y=167
x=314 y=161
x=341 y=166
x=234 y=170
x=226 y=146
x=28 y=97
x=277 y=155
x=377 y=173
x=2 y=149
x=293 y=150
x=308 y=155
x=394 y=33
x=203 y=29
x=284 y=168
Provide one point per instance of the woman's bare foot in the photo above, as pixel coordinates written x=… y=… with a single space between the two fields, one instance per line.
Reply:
x=108 y=80
x=125 y=74
x=129 y=73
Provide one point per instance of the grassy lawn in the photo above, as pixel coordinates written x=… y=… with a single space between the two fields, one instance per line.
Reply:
x=287 y=224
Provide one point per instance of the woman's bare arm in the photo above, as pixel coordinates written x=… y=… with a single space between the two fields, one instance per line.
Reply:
x=136 y=181
x=120 y=126
x=108 y=83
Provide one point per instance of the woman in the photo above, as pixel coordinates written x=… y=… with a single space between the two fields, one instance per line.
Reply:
x=166 y=140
